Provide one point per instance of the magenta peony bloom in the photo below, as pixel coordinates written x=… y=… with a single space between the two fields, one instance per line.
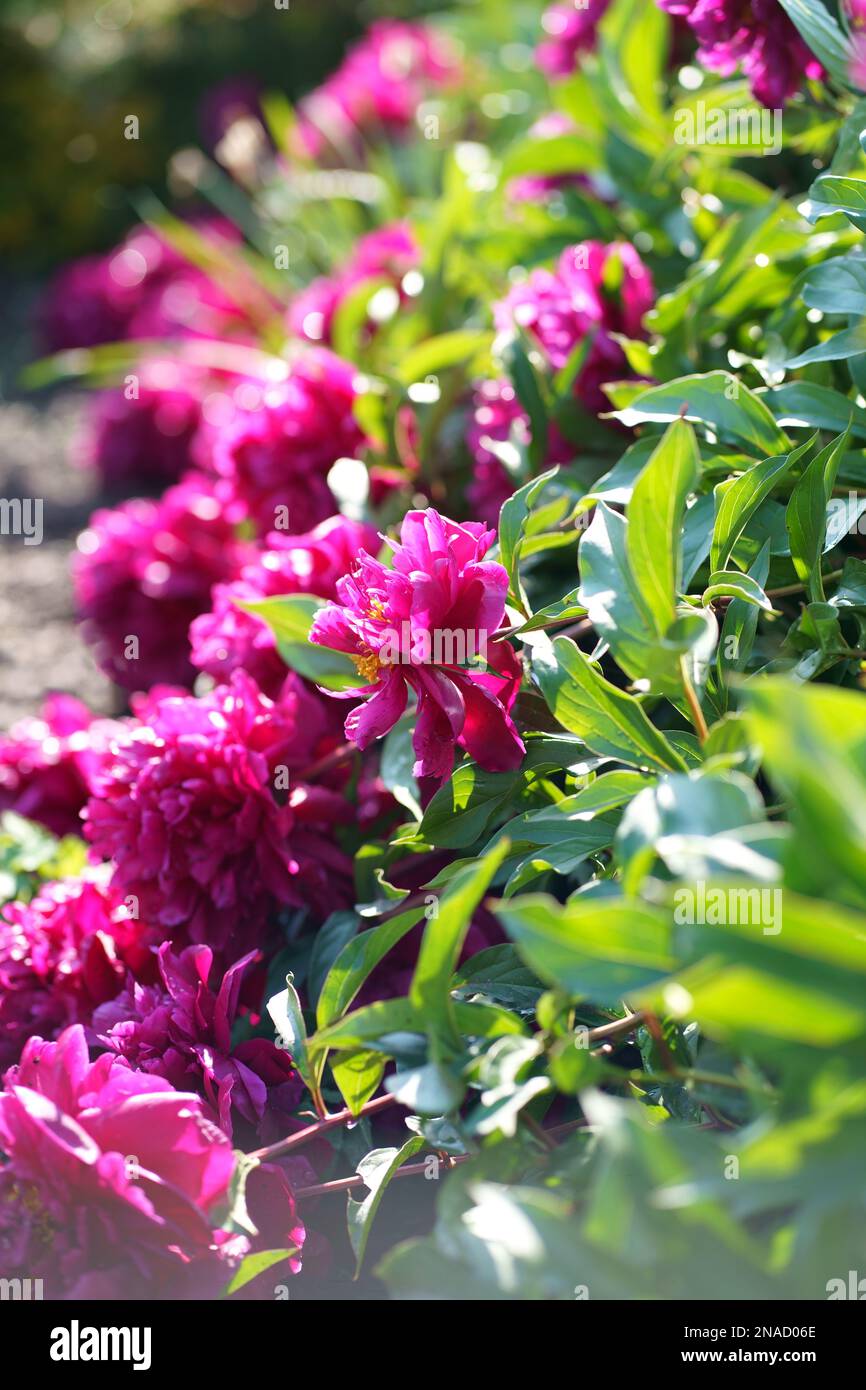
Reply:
x=109 y=1179
x=499 y=418
x=145 y=437
x=755 y=35
x=141 y=289
x=209 y=822
x=228 y=638
x=182 y=1030
x=418 y=625
x=63 y=954
x=386 y=253
x=378 y=86
x=273 y=453
x=47 y=763
x=144 y=570
x=594 y=288
x=571 y=30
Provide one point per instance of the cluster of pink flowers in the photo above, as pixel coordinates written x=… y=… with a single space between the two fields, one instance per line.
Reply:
x=273 y=448
x=386 y=254
x=63 y=954
x=181 y=1030
x=144 y=430
x=596 y=292
x=113 y=1178
x=48 y=763
x=144 y=288
x=143 y=571
x=204 y=812
x=755 y=35
x=377 y=88
x=570 y=30
x=222 y=808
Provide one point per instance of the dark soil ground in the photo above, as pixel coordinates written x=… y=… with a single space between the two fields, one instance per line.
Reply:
x=40 y=648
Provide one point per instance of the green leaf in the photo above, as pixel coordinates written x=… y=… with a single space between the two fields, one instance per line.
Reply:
x=560 y=155
x=438 y=353
x=807 y=405
x=596 y=948
x=290 y=617
x=814 y=745
x=734 y=584
x=655 y=521
x=806 y=516
x=397 y=763
x=512 y=524
x=566 y=818
x=682 y=806
x=741 y=623
x=851 y=342
x=717 y=399
x=611 y=722
x=358 y=1076
x=253 y=1265
x=356 y=962
x=530 y=393
x=443 y=938
x=334 y=933
x=837 y=286
x=823 y=36
x=288 y=1020
x=832 y=193
x=463 y=808
x=377 y=1170
x=738 y=499
x=613 y=598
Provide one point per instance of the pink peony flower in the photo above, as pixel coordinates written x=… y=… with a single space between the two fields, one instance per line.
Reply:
x=141 y=289
x=594 y=289
x=416 y=626
x=571 y=30
x=499 y=418
x=757 y=36
x=273 y=452
x=109 y=1180
x=143 y=572
x=182 y=1030
x=378 y=86
x=228 y=638
x=47 y=763
x=63 y=954
x=145 y=437
x=386 y=253
x=209 y=822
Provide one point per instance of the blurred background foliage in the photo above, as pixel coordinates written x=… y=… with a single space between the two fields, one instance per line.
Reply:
x=74 y=69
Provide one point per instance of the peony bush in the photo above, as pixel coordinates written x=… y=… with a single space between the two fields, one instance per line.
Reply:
x=485 y=596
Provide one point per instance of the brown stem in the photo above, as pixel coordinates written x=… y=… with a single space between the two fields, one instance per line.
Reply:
x=313 y=1131
x=411 y=1170
x=619 y=1025
x=787 y=589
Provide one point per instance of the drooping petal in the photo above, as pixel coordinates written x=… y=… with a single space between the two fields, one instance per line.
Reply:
x=379 y=714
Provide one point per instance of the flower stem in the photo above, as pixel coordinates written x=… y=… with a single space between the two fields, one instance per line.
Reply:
x=320 y=1127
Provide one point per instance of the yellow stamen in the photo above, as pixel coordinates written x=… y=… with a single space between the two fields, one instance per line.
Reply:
x=368 y=665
